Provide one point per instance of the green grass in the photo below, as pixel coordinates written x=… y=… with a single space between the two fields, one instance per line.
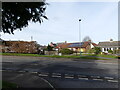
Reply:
x=6 y=84
x=53 y=56
x=18 y=54
x=107 y=56
x=84 y=56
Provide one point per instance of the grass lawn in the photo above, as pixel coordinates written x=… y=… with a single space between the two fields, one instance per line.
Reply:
x=107 y=56
x=84 y=56
x=9 y=85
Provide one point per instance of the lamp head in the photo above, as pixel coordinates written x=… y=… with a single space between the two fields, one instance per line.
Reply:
x=79 y=19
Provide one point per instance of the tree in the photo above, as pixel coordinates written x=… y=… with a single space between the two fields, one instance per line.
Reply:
x=66 y=51
x=97 y=50
x=49 y=48
x=87 y=38
x=16 y=15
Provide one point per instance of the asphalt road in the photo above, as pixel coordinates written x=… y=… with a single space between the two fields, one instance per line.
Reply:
x=102 y=68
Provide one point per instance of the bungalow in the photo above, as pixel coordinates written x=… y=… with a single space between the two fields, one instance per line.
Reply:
x=81 y=46
x=109 y=45
x=77 y=47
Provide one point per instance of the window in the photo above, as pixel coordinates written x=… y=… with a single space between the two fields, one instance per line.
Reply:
x=104 y=49
x=107 y=49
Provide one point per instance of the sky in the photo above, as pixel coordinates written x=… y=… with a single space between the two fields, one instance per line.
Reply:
x=99 y=21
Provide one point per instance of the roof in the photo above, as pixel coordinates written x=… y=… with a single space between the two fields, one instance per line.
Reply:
x=112 y=43
x=94 y=44
x=75 y=45
x=64 y=45
x=80 y=44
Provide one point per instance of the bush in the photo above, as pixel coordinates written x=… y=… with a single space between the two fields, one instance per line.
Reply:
x=97 y=50
x=91 y=50
x=110 y=51
x=116 y=51
x=66 y=51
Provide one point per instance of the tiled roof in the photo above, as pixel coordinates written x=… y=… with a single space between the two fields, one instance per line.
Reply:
x=112 y=43
x=64 y=45
x=94 y=44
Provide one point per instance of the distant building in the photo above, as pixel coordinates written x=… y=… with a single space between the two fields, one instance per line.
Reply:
x=109 y=45
x=18 y=46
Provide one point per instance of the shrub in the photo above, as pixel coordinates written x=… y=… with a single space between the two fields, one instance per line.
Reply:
x=91 y=50
x=116 y=51
x=110 y=51
x=66 y=51
x=97 y=50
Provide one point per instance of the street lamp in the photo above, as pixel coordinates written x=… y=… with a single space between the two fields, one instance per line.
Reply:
x=80 y=36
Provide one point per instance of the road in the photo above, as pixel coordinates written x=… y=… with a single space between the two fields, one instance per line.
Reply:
x=66 y=67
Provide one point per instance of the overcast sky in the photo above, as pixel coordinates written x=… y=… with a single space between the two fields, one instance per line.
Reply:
x=99 y=22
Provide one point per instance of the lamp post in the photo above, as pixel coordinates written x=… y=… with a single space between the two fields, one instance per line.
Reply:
x=80 y=36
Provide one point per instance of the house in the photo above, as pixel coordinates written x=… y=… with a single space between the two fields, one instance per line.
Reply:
x=109 y=45
x=77 y=47
x=81 y=46
x=19 y=46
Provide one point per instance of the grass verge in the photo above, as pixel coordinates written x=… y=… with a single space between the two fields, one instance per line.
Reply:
x=88 y=56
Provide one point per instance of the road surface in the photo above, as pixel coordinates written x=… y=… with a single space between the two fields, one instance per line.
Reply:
x=95 y=73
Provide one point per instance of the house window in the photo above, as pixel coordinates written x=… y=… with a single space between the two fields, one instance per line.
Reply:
x=107 y=49
x=104 y=49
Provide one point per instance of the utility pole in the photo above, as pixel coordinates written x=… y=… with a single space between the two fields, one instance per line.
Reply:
x=31 y=38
